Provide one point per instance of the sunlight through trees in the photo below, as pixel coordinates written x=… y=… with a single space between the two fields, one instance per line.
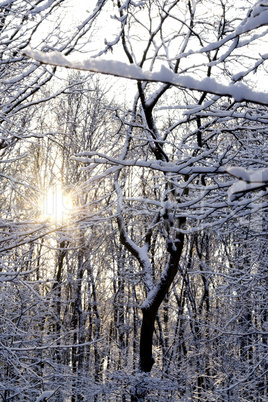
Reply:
x=133 y=193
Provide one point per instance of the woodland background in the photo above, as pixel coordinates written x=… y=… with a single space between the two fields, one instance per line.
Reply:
x=154 y=285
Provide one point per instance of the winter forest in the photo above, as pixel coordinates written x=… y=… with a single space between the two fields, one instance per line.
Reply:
x=134 y=201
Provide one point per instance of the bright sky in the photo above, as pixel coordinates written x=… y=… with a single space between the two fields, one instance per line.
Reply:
x=56 y=205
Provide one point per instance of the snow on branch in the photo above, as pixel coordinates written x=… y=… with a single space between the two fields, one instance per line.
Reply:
x=141 y=253
x=240 y=92
x=165 y=167
x=249 y=180
x=256 y=18
x=46 y=395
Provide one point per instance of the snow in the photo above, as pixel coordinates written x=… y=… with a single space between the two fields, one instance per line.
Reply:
x=184 y=169
x=41 y=8
x=242 y=74
x=258 y=8
x=239 y=173
x=250 y=176
x=238 y=91
x=249 y=180
x=150 y=298
x=6 y=3
x=250 y=23
x=153 y=293
x=259 y=176
x=45 y=395
x=141 y=253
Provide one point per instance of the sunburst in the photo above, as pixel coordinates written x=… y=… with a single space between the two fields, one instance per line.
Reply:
x=56 y=205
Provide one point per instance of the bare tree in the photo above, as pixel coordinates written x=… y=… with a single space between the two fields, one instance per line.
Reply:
x=162 y=172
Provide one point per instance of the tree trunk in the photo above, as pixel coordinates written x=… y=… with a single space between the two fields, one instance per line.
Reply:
x=146 y=340
x=150 y=310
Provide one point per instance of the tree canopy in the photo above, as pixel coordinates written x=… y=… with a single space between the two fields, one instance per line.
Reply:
x=133 y=157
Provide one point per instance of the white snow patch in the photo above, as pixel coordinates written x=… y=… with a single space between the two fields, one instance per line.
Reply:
x=239 y=173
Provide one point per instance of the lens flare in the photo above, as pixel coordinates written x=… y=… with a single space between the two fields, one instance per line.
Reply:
x=56 y=205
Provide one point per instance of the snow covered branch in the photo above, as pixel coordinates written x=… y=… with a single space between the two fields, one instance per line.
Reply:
x=249 y=180
x=240 y=92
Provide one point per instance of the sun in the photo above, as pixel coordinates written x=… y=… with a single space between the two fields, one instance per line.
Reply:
x=56 y=205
